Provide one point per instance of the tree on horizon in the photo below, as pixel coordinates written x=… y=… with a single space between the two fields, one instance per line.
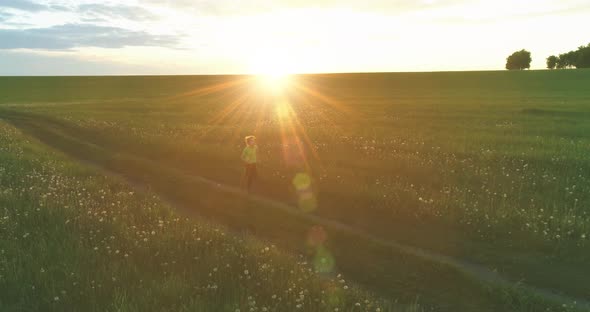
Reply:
x=583 y=57
x=519 y=60
x=579 y=58
x=552 y=61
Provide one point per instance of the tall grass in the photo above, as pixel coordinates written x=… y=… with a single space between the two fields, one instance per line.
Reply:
x=490 y=167
x=75 y=240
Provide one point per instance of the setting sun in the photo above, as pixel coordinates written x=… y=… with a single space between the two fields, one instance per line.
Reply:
x=274 y=82
x=272 y=68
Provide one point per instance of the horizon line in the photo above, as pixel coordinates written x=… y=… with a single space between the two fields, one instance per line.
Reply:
x=292 y=74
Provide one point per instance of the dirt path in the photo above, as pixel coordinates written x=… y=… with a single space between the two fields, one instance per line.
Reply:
x=172 y=181
x=477 y=272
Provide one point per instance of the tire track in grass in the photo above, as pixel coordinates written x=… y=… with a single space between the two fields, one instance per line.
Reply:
x=475 y=271
x=91 y=153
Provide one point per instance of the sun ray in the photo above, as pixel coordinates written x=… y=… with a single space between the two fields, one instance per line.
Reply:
x=324 y=98
x=212 y=89
x=249 y=104
x=299 y=128
x=293 y=133
x=226 y=113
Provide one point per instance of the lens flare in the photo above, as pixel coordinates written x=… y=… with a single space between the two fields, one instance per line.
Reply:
x=306 y=199
x=302 y=181
x=316 y=236
x=323 y=261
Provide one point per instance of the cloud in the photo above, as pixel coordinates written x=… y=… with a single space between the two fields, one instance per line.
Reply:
x=23 y=5
x=5 y=16
x=96 y=11
x=79 y=35
x=27 y=63
x=223 y=36
x=88 y=11
x=230 y=7
x=99 y=61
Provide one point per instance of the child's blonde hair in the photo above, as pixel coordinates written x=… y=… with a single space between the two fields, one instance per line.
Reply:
x=248 y=138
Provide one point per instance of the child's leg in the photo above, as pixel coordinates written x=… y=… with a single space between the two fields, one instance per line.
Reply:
x=251 y=175
x=244 y=179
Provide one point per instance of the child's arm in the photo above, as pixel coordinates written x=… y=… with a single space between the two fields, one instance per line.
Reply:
x=243 y=156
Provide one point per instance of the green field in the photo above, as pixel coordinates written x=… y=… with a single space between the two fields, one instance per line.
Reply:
x=462 y=191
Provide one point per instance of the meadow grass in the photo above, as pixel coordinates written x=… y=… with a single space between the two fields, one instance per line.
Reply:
x=76 y=240
x=491 y=167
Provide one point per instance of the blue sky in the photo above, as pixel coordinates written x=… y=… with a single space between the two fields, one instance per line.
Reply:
x=90 y=37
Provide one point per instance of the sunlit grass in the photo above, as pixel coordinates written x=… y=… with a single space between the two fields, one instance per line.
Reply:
x=73 y=239
x=489 y=167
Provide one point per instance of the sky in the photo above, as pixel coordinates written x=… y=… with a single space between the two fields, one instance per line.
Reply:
x=136 y=37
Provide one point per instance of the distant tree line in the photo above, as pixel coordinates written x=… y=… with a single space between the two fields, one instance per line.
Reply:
x=579 y=58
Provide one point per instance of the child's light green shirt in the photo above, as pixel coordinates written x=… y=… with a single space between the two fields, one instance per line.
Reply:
x=249 y=154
